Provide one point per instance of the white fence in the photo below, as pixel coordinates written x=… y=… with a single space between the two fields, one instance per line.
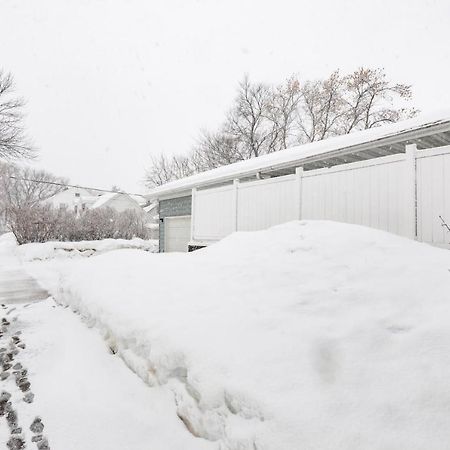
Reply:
x=433 y=195
x=406 y=194
x=377 y=193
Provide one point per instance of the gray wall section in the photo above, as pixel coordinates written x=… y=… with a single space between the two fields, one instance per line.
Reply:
x=180 y=206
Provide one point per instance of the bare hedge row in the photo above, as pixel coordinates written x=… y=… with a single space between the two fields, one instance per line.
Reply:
x=45 y=223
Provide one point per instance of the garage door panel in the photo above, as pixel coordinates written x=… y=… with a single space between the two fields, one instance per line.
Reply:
x=177 y=234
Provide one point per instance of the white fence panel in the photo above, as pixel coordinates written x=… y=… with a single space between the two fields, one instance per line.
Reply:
x=379 y=193
x=214 y=213
x=375 y=193
x=261 y=204
x=433 y=195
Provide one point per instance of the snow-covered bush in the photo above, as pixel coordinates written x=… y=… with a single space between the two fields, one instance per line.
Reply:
x=44 y=223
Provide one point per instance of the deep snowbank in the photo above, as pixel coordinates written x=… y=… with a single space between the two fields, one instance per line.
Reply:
x=310 y=335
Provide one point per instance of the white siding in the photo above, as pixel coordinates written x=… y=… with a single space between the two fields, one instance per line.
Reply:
x=68 y=198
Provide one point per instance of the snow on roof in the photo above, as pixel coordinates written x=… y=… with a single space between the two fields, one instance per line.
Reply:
x=90 y=199
x=296 y=155
x=150 y=207
x=140 y=199
x=103 y=199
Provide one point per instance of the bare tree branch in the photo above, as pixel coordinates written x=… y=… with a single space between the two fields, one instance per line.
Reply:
x=13 y=142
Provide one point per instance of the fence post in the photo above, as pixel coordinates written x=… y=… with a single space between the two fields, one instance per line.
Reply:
x=298 y=190
x=410 y=155
x=194 y=193
x=235 y=204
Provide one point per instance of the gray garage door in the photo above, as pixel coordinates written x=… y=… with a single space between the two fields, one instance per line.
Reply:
x=177 y=233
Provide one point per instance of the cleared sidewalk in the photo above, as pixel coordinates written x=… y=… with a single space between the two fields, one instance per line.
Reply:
x=16 y=285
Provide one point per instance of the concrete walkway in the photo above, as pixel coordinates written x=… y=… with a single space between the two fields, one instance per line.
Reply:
x=16 y=285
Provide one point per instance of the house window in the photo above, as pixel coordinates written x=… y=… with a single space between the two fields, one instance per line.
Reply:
x=76 y=209
x=62 y=205
x=77 y=194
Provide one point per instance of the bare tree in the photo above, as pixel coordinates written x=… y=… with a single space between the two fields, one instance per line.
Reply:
x=13 y=142
x=369 y=97
x=215 y=150
x=261 y=121
x=342 y=104
x=26 y=187
x=265 y=119
x=248 y=121
x=164 y=169
x=321 y=109
x=282 y=110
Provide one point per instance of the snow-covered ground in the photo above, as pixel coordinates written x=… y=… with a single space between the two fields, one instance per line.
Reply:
x=86 y=398
x=59 y=375
x=50 y=250
x=310 y=335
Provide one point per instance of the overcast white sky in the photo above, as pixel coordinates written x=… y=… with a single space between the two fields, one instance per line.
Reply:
x=110 y=82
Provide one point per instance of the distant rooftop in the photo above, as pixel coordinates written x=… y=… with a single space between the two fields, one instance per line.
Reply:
x=103 y=199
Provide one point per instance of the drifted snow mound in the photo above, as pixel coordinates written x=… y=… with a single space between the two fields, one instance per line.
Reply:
x=52 y=249
x=310 y=335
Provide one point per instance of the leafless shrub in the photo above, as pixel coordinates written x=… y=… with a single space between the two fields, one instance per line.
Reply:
x=37 y=224
x=42 y=223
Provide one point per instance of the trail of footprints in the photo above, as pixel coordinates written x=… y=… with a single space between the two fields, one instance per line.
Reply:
x=10 y=368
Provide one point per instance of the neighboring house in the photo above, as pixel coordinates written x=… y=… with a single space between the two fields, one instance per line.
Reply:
x=80 y=199
x=395 y=178
x=122 y=202
x=73 y=199
x=117 y=201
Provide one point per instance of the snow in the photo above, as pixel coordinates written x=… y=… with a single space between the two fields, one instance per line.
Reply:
x=312 y=335
x=151 y=208
x=103 y=199
x=86 y=397
x=56 y=249
x=140 y=199
x=299 y=153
